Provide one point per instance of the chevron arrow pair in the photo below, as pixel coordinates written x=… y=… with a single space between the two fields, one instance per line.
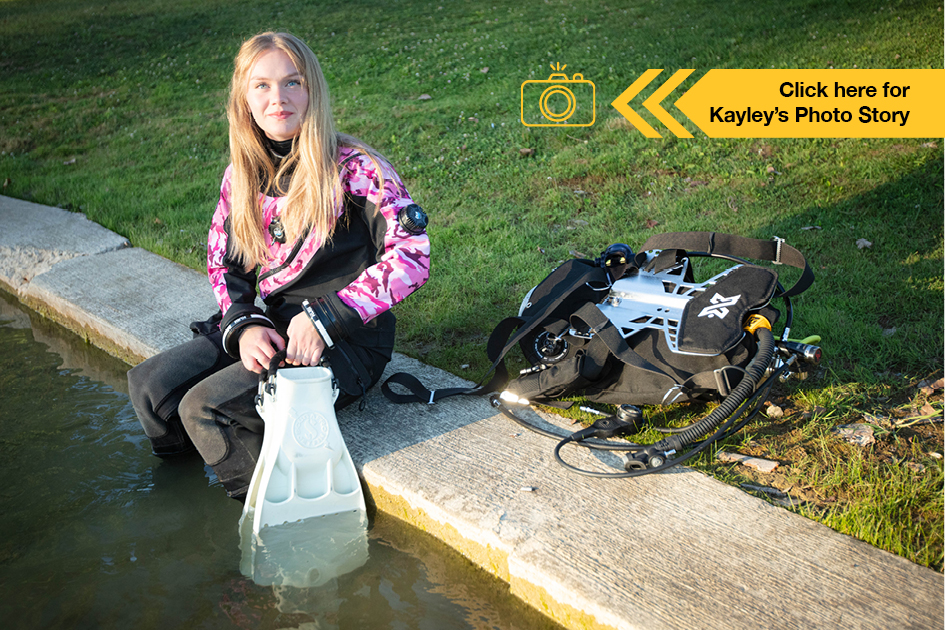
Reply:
x=622 y=103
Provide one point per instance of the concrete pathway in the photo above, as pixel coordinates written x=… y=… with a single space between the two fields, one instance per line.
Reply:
x=673 y=550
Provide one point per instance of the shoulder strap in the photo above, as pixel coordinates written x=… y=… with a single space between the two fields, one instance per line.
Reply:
x=498 y=346
x=500 y=373
x=775 y=250
x=598 y=324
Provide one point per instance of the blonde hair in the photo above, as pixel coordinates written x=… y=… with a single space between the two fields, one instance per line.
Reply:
x=315 y=189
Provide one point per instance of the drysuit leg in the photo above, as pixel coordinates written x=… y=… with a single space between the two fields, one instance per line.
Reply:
x=157 y=385
x=219 y=414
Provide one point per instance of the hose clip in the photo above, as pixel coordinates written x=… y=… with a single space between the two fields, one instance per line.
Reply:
x=647 y=458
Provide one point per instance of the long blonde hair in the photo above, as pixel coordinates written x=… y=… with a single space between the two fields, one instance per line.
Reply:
x=315 y=189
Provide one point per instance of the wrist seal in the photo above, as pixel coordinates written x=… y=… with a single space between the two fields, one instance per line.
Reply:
x=324 y=319
x=235 y=329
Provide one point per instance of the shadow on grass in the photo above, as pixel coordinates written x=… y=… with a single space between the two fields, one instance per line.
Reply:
x=878 y=307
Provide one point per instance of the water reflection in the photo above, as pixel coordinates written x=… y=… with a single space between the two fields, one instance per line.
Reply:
x=304 y=553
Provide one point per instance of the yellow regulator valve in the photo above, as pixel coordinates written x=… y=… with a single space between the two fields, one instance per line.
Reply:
x=755 y=322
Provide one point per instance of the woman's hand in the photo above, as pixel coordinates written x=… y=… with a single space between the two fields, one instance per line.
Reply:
x=258 y=344
x=305 y=344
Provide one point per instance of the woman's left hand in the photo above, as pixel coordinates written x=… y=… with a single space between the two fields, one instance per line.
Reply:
x=305 y=345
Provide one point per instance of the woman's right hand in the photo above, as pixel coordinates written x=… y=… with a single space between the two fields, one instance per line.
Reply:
x=258 y=344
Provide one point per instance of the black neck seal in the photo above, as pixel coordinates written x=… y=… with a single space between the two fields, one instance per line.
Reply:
x=279 y=148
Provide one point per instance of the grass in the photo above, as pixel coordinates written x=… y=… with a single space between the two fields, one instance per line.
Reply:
x=115 y=109
x=888 y=493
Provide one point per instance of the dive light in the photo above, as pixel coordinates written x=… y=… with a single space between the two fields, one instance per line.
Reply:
x=805 y=351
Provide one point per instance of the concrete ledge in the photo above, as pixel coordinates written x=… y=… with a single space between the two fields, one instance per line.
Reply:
x=130 y=302
x=34 y=238
x=673 y=550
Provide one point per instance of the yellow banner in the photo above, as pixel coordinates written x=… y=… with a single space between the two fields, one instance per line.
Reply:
x=818 y=103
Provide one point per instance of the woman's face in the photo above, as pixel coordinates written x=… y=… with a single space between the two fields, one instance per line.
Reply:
x=276 y=96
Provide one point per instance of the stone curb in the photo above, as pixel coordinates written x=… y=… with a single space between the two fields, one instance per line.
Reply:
x=671 y=550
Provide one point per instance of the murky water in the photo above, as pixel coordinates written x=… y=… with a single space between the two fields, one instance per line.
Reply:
x=95 y=532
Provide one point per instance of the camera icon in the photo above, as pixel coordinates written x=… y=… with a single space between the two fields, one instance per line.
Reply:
x=559 y=101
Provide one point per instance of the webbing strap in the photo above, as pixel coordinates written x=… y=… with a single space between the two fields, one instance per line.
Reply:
x=603 y=329
x=607 y=333
x=418 y=393
x=776 y=251
x=498 y=346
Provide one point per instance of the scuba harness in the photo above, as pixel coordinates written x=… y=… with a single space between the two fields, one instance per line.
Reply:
x=628 y=330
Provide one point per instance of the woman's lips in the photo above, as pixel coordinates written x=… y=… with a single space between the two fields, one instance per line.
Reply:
x=281 y=115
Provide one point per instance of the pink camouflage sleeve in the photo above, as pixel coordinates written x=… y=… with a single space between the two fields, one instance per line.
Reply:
x=405 y=263
x=216 y=245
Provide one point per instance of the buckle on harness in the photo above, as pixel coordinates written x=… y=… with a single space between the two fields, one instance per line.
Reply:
x=722 y=381
x=777 y=253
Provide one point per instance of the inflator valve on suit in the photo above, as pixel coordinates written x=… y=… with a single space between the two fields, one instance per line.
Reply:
x=413 y=219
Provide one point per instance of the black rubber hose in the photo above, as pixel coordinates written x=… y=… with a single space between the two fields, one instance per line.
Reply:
x=753 y=374
x=751 y=405
x=590 y=443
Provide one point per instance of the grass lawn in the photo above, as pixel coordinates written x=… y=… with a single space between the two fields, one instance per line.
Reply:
x=114 y=108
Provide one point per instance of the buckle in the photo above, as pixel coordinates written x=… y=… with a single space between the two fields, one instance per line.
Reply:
x=777 y=253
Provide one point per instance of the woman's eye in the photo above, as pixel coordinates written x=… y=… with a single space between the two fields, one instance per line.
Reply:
x=293 y=83
x=260 y=86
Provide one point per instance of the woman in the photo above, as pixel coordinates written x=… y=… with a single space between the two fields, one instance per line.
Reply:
x=325 y=229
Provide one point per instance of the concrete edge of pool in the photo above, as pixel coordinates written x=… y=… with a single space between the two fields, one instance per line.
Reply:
x=672 y=550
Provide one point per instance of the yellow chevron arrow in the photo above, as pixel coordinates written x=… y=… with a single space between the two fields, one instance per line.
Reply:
x=622 y=103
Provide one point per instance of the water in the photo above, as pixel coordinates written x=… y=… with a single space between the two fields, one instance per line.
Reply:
x=95 y=532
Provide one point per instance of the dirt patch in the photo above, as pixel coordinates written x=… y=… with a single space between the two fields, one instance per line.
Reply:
x=906 y=432
x=763 y=150
x=617 y=123
x=587 y=183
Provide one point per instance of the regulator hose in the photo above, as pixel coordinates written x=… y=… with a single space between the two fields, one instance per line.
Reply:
x=654 y=458
x=754 y=372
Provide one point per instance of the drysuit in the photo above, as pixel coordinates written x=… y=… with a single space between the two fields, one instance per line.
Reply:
x=199 y=394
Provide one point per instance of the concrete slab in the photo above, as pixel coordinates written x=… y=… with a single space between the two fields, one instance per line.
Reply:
x=129 y=301
x=666 y=551
x=673 y=550
x=33 y=238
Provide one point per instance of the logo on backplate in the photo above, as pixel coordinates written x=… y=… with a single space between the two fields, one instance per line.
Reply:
x=719 y=306
x=310 y=430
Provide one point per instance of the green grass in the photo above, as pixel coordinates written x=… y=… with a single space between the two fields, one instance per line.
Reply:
x=888 y=493
x=115 y=109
